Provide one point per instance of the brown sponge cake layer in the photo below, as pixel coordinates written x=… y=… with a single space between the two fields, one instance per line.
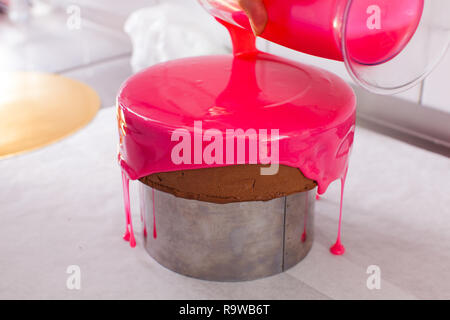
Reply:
x=230 y=184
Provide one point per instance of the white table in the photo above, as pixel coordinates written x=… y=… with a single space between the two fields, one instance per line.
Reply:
x=62 y=206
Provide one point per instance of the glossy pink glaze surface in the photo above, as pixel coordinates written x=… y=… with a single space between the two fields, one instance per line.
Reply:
x=313 y=109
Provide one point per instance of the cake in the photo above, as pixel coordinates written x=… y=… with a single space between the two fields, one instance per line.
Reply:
x=237 y=183
x=229 y=151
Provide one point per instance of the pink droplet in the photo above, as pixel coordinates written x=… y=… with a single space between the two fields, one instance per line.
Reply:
x=304 y=236
x=337 y=249
x=132 y=241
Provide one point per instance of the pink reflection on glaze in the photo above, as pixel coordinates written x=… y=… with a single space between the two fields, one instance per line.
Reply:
x=155 y=234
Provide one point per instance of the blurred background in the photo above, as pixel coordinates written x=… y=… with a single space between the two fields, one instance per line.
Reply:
x=86 y=40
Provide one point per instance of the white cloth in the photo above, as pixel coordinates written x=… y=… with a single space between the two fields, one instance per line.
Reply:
x=174 y=30
x=62 y=205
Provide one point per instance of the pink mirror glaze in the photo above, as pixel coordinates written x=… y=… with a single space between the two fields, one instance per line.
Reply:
x=313 y=109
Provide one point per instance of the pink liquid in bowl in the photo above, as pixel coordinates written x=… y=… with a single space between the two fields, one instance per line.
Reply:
x=379 y=30
x=315 y=26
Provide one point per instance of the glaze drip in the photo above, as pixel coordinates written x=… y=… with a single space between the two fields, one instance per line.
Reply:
x=129 y=233
x=338 y=249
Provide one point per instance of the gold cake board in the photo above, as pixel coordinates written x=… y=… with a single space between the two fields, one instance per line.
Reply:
x=37 y=109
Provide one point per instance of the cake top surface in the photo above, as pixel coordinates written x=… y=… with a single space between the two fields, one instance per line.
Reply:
x=256 y=90
x=177 y=116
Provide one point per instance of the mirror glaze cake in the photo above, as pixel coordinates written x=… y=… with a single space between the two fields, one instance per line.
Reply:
x=229 y=151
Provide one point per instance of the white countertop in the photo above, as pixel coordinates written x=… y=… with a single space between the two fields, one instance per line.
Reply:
x=62 y=206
